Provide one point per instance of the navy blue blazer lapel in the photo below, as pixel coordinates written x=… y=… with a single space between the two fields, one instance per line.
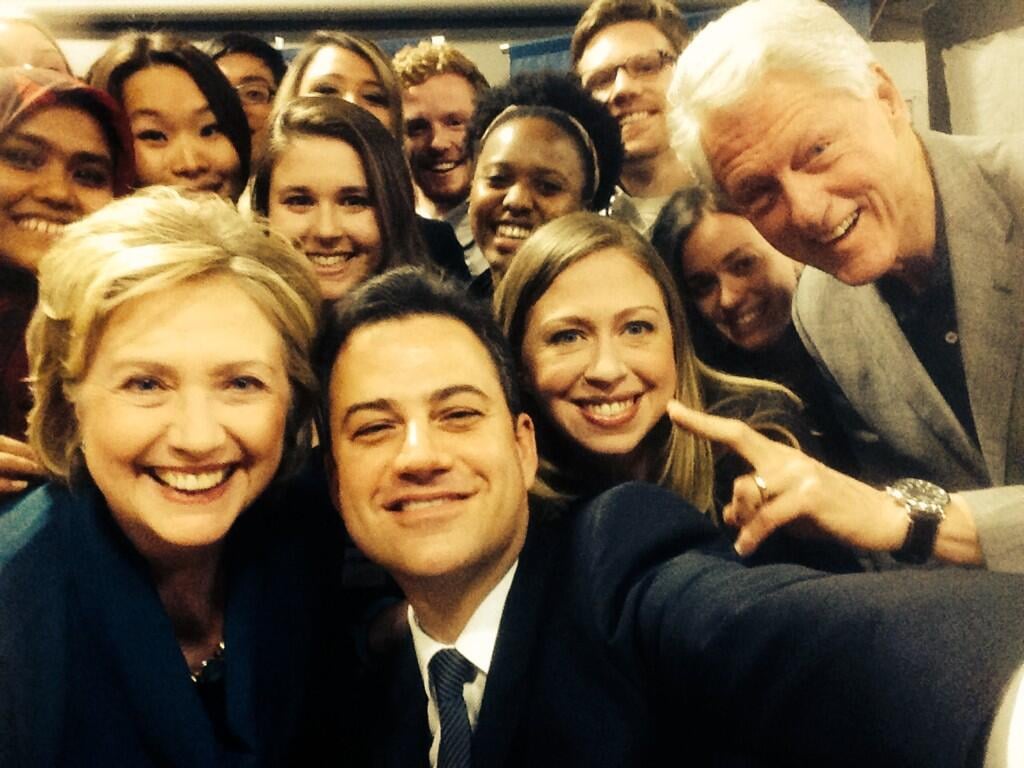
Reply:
x=509 y=678
x=111 y=580
x=406 y=737
x=987 y=262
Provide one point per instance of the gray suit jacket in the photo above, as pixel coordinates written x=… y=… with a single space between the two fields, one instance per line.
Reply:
x=900 y=424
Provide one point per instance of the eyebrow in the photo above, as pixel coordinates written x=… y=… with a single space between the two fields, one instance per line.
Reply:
x=439 y=396
x=45 y=144
x=150 y=112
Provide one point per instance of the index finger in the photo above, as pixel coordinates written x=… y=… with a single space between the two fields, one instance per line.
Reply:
x=732 y=433
x=16 y=447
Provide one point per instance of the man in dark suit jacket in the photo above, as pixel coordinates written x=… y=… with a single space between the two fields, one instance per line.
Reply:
x=626 y=628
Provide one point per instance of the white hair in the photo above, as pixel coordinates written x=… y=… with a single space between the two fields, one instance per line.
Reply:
x=728 y=60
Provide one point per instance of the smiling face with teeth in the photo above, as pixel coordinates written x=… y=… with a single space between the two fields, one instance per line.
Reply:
x=639 y=104
x=430 y=467
x=528 y=172
x=320 y=199
x=437 y=113
x=55 y=167
x=182 y=413
x=601 y=363
x=739 y=283
x=829 y=178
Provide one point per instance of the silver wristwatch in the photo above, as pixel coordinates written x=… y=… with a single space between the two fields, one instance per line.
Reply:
x=926 y=507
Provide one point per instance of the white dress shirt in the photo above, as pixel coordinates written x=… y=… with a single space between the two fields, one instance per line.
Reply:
x=476 y=643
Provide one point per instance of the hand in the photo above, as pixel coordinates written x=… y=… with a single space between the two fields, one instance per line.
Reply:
x=798 y=492
x=17 y=460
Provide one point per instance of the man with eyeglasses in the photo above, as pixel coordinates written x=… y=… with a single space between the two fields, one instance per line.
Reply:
x=624 y=52
x=255 y=69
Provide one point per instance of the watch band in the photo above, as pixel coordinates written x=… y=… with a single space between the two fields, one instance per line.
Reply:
x=926 y=504
x=920 y=541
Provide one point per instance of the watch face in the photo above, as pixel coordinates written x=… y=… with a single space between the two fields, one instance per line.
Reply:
x=922 y=497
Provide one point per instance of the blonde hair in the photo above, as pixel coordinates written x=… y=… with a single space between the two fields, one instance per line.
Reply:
x=138 y=246
x=682 y=462
x=415 y=64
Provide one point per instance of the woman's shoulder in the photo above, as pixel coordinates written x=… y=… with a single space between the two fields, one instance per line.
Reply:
x=25 y=520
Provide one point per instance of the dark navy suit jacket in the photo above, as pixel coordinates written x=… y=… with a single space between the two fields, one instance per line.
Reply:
x=631 y=633
x=91 y=673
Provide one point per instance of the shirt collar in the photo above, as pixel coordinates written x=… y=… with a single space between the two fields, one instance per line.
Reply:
x=477 y=640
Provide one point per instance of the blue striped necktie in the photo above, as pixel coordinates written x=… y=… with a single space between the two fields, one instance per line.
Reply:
x=449 y=671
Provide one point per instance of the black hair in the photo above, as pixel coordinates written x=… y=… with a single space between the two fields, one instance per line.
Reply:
x=135 y=51
x=402 y=293
x=240 y=42
x=561 y=92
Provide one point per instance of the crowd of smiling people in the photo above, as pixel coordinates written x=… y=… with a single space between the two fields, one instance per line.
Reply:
x=180 y=225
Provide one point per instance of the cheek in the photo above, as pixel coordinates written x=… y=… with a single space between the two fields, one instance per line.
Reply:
x=225 y=156
x=365 y=231
x=289 y=224
x=150 y=165
x=94 y=199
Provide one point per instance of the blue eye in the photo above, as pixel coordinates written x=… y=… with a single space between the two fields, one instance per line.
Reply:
x=246 y=384
x=567 y=336
x=143 y=384
x=639 y=327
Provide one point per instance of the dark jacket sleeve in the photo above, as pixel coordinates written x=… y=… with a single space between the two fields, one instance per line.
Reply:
x=901 y=669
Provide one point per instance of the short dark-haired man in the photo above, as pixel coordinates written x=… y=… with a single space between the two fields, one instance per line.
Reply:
x=914 y=308
x=254 y=68
x=624 y=52
x=440 y=86
x=626 y=630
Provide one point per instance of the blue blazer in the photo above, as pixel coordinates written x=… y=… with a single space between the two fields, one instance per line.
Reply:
x=631 y=633
x=90 y=670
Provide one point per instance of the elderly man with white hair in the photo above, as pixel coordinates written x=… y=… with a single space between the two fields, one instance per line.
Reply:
x=914 y=308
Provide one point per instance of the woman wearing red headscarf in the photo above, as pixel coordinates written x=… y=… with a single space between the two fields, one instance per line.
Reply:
x=65 y=151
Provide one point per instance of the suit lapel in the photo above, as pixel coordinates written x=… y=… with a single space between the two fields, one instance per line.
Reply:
x=889 y=370
x=111 y=580
x=509 y=678
x=988 y=274
x=407 y=742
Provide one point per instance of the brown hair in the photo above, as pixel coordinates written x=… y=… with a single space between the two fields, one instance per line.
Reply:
x=663 y=14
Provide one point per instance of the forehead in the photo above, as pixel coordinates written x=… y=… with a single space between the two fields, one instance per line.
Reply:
x=532 y=142
x=319 y=158
x=446 y=92
x=198 y=318
x=240 y=67
x=617 y=42
x=163 y=88
x=582 y=289
x=69 y=129
x=410 y=359
x=335 y=61
x=716 y=236
x=761 y=132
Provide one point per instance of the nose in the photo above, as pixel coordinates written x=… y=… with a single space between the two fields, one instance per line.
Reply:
x=606 y=365
x=54 y=188
x=327 y=223
x=422 y=455
x=623 y=87
x=189 y=160
x=518 y=197
x=196 y=429
x=730 y=293
x=806 y=202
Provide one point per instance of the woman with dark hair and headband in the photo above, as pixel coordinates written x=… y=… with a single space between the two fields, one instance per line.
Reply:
x=543 y=148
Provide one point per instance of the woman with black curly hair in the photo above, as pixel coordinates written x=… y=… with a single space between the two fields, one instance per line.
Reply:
x=543 y=148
